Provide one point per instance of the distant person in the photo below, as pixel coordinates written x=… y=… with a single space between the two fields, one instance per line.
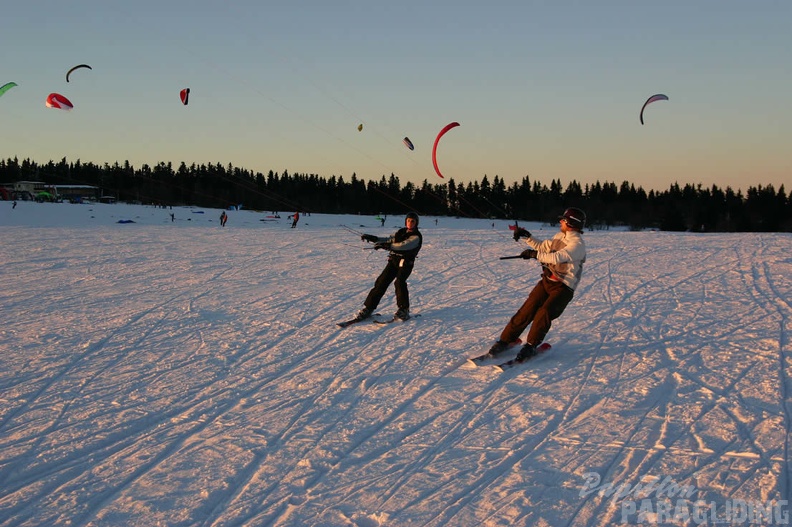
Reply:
x=13 y=205
x=173 y=217
x=223 y=219
x=562 y=258
x=295 y=219
x=403 y=245
x=382 y=220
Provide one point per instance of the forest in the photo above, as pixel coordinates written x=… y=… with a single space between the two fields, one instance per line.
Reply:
x=682 y=207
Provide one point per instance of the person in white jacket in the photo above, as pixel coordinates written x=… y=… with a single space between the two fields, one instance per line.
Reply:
x=562 y=258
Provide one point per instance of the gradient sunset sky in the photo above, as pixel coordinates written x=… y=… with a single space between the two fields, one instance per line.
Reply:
x=549 y=90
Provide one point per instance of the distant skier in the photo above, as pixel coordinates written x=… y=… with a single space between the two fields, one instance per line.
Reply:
x=562 y=258
x=295 y=219
x=403 y=245
x=223 y=219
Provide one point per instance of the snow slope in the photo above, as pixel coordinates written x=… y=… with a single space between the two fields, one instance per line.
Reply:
x=179 y=373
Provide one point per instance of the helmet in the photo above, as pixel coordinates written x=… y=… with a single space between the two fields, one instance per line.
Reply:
x=574 y=217
x=413 y=216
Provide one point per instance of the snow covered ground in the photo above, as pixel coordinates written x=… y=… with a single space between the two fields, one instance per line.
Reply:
x=179 y=373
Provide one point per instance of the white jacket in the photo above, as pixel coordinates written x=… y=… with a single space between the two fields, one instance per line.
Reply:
x=563 y=255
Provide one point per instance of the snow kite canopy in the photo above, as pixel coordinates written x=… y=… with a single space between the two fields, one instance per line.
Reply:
x=79 y=66
x=445 y=129
x=650 y=100
x=7 y=86
x=58 y=101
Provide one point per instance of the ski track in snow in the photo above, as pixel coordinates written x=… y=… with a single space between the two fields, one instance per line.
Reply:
x=184 y=374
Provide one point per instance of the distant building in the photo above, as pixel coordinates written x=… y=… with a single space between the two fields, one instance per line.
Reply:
x=32 y=187
x=29 y=190
x=75 y=193
x=23 y=190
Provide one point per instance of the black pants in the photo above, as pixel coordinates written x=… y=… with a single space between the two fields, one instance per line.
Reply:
x=398 y=270
x=545 y=303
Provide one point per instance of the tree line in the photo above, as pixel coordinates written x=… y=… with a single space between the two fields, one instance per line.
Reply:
x=687 y=207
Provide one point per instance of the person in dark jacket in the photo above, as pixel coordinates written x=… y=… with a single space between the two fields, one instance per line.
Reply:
x=403 y=245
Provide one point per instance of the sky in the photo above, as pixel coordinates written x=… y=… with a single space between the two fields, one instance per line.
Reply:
x=176 y=373
x=548 y=90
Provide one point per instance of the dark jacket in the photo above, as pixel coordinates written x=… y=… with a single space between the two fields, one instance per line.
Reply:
x=404 y=244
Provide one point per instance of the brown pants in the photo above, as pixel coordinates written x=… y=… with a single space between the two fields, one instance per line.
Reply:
x=545 y=303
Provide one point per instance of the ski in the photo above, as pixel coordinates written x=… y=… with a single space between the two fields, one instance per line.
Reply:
x=394 y=319
x=355 y=320
x=349 y=322
x=486 y=357
x=541 y=348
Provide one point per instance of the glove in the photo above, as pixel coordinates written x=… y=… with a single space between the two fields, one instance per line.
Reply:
x=519 y=232
x=382 y=245
x=369 y=238
x=527 y=254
